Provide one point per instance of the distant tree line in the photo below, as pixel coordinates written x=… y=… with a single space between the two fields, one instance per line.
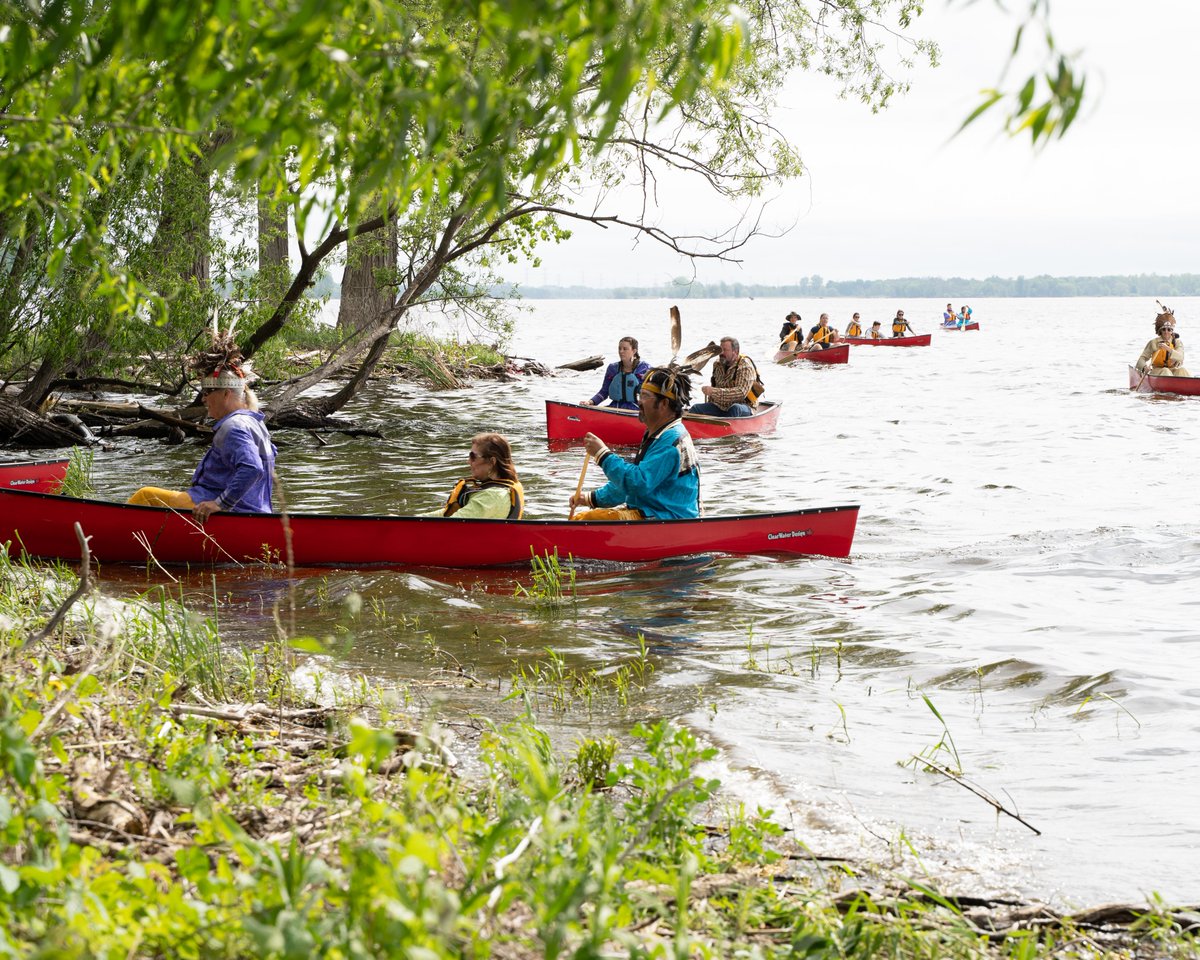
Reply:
x=956 y=288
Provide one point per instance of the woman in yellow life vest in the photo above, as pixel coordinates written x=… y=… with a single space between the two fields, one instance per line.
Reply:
x=854 y=328
x=1163 y=356
x=822 y=336
x=900 y=326
x=492 y=491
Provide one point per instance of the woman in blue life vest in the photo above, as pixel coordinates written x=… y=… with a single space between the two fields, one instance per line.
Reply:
x=623 y=379
x=492 y=491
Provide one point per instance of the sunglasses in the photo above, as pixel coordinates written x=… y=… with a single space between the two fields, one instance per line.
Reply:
x=473 y=456
x=209 y=391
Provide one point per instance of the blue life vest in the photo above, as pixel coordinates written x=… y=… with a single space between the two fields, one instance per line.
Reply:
x=624 y=388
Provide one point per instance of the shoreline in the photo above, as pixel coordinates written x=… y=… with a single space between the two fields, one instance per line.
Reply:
x=151 y=764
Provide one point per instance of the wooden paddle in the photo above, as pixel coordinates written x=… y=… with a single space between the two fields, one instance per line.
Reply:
x=1143 y=380
x=579 y=486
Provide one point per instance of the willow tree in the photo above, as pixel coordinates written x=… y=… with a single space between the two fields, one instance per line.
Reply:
x=464 y=129
x=319 y=104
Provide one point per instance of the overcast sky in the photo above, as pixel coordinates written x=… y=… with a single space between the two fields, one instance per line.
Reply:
x=895 y=194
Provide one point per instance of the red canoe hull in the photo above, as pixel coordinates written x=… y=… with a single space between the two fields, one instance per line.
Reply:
x=570 y=421
x=973 y=325
x=43 y=525
x=838 y=354
x=920 y=340
x=40 y=476
x=1181 y=386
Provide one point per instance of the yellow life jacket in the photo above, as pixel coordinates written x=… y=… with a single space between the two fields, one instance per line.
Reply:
x=875 y=334
x=757 y=388
x=899 y=325
x=823 y=335
x=466 y=488
x=791 y=337
x=854 y=330
x=1162 y=356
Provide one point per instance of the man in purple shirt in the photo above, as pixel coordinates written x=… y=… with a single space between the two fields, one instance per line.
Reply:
x=236 y=472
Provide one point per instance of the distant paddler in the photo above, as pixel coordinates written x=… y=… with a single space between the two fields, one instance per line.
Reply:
x=900 y=326
x=1163 y=356
x=822 y=336
x=663 y=480
x=236 y=473
x=790 y=332
x=854 y=327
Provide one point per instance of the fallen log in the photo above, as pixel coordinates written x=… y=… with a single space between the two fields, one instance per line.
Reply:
x=24 y=428
x=187 y=426
x=587 y=363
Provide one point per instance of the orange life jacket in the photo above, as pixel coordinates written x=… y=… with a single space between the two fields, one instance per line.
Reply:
x=466 y=488
x=1162 y=356
x=854 y=330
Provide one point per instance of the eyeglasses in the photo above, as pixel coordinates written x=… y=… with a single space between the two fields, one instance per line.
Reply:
x=473 y=456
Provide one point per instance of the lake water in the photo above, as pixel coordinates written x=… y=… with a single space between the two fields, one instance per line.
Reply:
x=1025 y=564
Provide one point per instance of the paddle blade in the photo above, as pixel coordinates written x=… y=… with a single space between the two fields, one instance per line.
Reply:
x=695 y=362
x=676 y=332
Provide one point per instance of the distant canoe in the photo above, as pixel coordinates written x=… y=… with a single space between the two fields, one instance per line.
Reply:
x=43 y=525
x=40 y=476
x=953 y=327
x=838 y=354
x=570 y=421
x=1182 y=386
x=916 y=340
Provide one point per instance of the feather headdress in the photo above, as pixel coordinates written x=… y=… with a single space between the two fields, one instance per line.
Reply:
x=220 y=366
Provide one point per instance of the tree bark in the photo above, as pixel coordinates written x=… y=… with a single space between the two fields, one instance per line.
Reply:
x=368 y=288
x=274 y=271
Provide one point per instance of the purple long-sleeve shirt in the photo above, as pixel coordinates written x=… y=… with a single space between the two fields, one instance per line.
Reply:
x=237 y=469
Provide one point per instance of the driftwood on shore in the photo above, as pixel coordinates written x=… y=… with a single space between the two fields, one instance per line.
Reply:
x=29 y=429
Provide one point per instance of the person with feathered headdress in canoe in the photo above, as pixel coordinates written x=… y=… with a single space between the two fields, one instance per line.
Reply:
x=662 y=481
x=237 y=471
x=1163 y=356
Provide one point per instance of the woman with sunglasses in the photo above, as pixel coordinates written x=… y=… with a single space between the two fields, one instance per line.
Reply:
x=1163 y=356
x=236 y=472
x=492 y=491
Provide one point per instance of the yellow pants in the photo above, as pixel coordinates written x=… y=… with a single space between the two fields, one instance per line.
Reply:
x=610 y=513
x=158 y=497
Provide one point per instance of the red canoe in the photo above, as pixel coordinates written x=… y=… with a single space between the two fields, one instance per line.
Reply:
x=1184 y=386
x=570 y=421
x=40 y=476
x=973 y=325
x=43 y=525
x=917 y=340
x=838 y=354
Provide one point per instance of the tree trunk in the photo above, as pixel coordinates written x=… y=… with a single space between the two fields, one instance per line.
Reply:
x=368 y=284
x=273 y=268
